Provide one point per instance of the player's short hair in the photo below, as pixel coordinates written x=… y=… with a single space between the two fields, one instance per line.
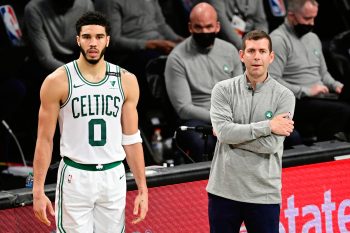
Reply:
x=93 y=18
x=256 y=35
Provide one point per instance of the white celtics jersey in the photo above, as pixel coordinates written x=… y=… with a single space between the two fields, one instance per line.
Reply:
x=89 y=120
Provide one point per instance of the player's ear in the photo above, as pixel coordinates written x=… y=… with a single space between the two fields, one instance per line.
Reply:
x=108 y=39
x=78 y=40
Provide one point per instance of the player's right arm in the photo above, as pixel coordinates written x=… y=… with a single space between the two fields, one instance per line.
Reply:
x=52 y=93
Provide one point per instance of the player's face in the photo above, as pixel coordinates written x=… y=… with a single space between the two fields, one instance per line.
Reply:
x=93 y=42
x=257 y=58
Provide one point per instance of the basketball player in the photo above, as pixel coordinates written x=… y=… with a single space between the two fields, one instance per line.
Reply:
x=95 y=103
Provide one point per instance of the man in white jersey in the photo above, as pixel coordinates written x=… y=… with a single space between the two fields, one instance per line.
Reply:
x=95 y=103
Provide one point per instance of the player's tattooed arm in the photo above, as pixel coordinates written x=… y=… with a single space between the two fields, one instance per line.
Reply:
x=124 y=71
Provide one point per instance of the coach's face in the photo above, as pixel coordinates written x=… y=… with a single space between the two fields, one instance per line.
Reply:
x=93 y=42
x=257 y=57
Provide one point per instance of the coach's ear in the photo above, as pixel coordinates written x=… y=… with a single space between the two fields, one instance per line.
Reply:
x=272 y=56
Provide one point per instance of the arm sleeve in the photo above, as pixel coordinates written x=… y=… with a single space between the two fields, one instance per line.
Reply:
x=227 y=33
x=272 y=143
x=163 y=27
x=276 y=69
x=39 y=41
x=179 y=91
x=227 y=131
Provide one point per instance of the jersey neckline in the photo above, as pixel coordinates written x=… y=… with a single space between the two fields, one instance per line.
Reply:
x=80 y=75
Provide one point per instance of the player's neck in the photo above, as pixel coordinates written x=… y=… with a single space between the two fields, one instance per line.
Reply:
x=92 y=72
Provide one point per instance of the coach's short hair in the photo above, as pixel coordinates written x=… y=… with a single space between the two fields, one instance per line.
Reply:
x=256 y=35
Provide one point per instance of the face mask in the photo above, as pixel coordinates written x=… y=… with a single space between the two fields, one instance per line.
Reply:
x=204 y=40
x=302 y=29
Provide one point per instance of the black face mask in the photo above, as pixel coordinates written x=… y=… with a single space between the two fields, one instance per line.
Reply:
x=302 y=29
x=204 y=40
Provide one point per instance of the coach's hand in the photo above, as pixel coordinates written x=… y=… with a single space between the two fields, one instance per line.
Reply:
x=140 y=206
x=282 y=124
x=40 y=204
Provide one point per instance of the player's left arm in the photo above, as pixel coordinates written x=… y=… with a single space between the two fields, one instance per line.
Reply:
x=134 y=151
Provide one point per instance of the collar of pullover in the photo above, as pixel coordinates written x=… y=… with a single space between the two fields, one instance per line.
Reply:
x=258 y=87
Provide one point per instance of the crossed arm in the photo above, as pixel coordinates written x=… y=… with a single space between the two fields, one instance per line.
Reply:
x=264 y=137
